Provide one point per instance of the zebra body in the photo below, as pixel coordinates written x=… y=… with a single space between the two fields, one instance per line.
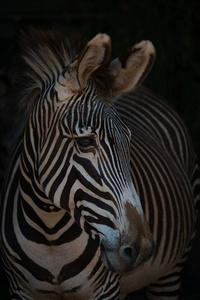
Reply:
x=166 y=176
x=72 y=222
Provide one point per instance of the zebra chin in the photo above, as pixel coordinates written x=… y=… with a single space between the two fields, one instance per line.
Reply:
x=127 y=258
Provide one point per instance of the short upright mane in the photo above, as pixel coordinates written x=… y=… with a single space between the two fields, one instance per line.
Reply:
x=43 y=55
x=47 y=59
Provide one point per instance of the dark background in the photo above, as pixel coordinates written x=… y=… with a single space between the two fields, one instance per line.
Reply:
x=172 y=26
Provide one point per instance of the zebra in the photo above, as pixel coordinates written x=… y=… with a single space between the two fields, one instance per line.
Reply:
x=66 y=231
x=100 y=197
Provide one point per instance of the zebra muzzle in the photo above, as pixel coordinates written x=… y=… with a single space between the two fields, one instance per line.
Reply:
x=128 y=248
x=127 y=257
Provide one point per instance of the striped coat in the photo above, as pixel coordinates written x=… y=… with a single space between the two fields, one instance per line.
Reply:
x=165 y=172
x=72 y=223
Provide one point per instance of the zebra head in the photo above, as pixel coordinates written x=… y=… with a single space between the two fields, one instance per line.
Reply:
x=83 y=145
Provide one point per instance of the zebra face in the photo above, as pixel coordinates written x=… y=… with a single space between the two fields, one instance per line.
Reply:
x=83 y=159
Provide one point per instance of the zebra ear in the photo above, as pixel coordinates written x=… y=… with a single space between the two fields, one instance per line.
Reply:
x=75 y=76
x=133 y=69
x=96 y=53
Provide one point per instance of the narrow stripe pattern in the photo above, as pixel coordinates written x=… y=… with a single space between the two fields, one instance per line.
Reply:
x=80 y=163
x=165 y=172
x=66 y=185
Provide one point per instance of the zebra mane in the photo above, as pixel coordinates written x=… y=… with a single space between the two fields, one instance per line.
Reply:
x=47 y=58
x=42 y=57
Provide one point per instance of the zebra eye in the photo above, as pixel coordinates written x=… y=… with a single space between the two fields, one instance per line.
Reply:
x=85 y=141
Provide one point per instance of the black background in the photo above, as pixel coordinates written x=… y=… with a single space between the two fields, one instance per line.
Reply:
x=172 y=26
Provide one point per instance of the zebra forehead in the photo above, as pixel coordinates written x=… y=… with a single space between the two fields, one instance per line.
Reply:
x=88 y=110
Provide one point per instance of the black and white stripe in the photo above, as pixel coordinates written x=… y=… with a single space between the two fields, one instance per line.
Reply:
x=39 y=226
x=166 y=176
x=71 y=220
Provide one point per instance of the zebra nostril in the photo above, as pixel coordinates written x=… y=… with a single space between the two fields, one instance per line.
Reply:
x=128 y=253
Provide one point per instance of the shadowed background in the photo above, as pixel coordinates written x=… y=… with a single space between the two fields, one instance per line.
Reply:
x=172 y=26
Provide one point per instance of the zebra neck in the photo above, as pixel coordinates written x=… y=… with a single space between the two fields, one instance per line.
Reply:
x=32 y=199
